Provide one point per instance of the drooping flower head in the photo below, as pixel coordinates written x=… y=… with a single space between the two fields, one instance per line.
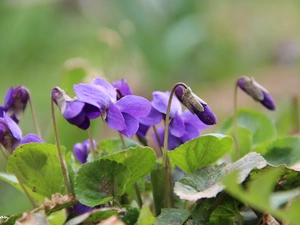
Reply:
x=76 y=111
x=15 y=103
x=183 y=125
x=120 y=114
x=256 y=91
x=82 y=149
x=11 y=134
x=195 y=105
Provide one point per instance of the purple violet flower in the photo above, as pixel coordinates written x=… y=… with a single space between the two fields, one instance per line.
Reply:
x=183 y=126
x=76 y=111
x=15 y=103
x=81 y=150
x=120 y=114
x=11 y=134
x=196 y=105
x=256 y=91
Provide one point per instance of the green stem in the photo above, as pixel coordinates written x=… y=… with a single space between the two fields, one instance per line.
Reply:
x=295 y=104
x=92 y=143
x=168 y=186
x=34 y=117
x=235 y=123
x=216 y=203
x=158 y=139
x=3 y=152
x=136 y=187
x=60 y=157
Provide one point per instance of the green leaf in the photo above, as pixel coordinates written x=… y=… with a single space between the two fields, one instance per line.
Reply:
x=262 y=128
x=157 y=181
x=259 y=195
x=70 y=161
x=37 y=166
x=283 y=151
x=139 y=160
x=228 y=210
x=200 y=152
x=12 y=180
x=100 y=181
x=109 y=146
x=172 y=216
x=131 y=216
x=146 y=217
x=206 y=182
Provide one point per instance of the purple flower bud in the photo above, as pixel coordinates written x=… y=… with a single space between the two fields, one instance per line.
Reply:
x=15 y=102
x=256 y=91
x=122 y=87
x=81 y=150
x=75 y=111
x=195 y=105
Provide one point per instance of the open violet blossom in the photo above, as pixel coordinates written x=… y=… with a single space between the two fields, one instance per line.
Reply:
x=76 y=111
x=183 y=126
x=153 y=118
x=256 y=91
x=81 y=150
x=15 y=103
x=195 y=104
x=120 y=114
x=11 y=134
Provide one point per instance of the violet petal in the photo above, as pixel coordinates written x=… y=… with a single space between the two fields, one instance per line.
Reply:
x=134 y=105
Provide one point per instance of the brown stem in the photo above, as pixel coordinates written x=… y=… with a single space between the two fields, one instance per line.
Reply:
x=60 y=157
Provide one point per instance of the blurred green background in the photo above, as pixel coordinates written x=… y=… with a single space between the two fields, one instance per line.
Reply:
x=151 y=43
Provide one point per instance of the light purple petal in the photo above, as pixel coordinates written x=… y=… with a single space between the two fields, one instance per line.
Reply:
x=86 y=92
x=123 y=87
x=107 y=86
x=80 y=152
x=73 y=109
x=114 y=118
x=132 y=125
x=31 y=138
x=160 y=103
x=8 y=97
x=173 y=142
x=134 y=105
x=154 y=117
x=13 y=127
x=177 y=127
x=190 y=133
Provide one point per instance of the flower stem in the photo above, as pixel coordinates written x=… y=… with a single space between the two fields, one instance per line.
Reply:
x=37 y=129
x=158 y=139
x=136 y=187
x=295 y=105
x=168 y=186
x=60 y=157
x=34 y=205
x=235 y=123
x=92 y=143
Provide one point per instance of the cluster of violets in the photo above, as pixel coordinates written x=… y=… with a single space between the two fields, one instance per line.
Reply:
x=122 y=111
x=11 y=112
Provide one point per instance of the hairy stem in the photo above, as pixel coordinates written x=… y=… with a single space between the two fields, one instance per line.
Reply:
x=37 y=129
x=60 y=157
x=158 y=139
x=295 y=105
x=235 y=123
x=92 y=143
x=168 y=195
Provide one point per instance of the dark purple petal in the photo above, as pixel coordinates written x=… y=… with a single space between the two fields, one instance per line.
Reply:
x=154 y=117
x=91 y=111
x=241 y=83
x=176 y=126
x=122 y=87
x=190 y=133
x=132 y=125
x=8 y=97
x=80 y=121
x=143 y=129
x=81 y=209
x=114 y=118
x=111 y=91
x=80 y=152
x=208 y=117
x=2 y=111
x=134 y=105
x=173 y=142
x=268 y=101
x=87 y=92
x=31 y=138
x=192 y=119
x=160 y=103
